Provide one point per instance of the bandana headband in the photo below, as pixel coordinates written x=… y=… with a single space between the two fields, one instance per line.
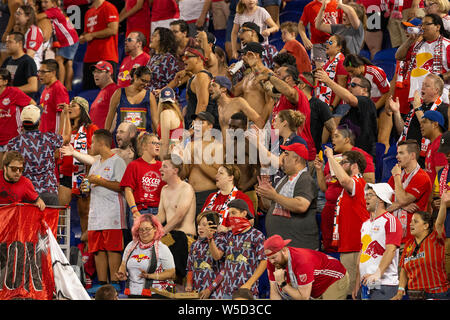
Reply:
x=302 y=77
x=197 y=53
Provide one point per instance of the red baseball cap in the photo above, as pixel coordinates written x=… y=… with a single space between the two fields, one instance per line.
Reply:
x=103 y=66
x=274 y=244
x=298 y=148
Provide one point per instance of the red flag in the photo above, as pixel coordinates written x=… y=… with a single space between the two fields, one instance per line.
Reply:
x=25 y=262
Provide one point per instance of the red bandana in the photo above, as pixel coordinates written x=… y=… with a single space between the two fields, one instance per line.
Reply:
x=238 y=224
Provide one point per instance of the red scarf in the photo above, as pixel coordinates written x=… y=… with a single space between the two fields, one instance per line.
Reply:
x=443 y=186
x=238 y=224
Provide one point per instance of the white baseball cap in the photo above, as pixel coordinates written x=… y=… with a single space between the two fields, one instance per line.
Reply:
x=30 y=113
x=382 y=190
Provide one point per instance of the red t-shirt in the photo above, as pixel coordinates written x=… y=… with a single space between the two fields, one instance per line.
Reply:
x=21 y=191
x=352 y=214
x=12 y=101
x=66 y=166
x=420 y=187
x=100 y=106
x=434 y=159
x=164 y=10
x=310 y=266
x=296 y=49
x=62 y=27
x=302 y=106
x=145 y=180
x=332 y=15
x=53 y=95
x=97 y=19
x=124 y=78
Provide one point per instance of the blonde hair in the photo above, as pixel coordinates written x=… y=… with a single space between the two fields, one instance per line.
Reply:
x=444 y=5
x=295 y=119
x=169 y=106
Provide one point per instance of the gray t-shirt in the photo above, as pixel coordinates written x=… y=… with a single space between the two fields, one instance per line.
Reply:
x=354 y=38
x=259 y=17
x=107 y=207
x=301 y=228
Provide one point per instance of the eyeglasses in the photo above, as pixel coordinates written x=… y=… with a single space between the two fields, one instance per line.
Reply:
x=370 y=195
x=44 y=71
x=15 y=169
x=242 y=30
x=145 y=230
x=427 y=24
x=155 y=143
x=354 y=84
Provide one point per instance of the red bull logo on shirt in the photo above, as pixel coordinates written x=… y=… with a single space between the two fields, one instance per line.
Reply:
x=140 y=257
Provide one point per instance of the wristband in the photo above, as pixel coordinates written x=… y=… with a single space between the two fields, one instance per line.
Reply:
x=283 y=284
x=401 y=289
x=131 y=208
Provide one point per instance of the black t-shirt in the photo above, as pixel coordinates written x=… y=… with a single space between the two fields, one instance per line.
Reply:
x=320 y=113
x=414 y=127
x=364 y=119
x=21 y=69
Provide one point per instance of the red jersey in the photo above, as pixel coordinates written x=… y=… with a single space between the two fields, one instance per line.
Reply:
x=434 y=159
x=426 y=269
x=145 y=180
x=420 y=187
x=128 y=63
x=100 y=107
x=64 y=31
x=220 y=200
x=12 y=101
x=97 y=19
x=351 y=213
x=66 y=164
x=302 y=106
x=378 y=80
x=296 y=49
x=33 y=38
x=310 y=266
x=164 y=10
x=52 y=95
x=332 y=15
x=20 y=191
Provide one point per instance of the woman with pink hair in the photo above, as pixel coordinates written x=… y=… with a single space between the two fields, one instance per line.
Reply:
x=147 y=262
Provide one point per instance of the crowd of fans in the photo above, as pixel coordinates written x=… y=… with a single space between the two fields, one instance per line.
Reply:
x=237 y=171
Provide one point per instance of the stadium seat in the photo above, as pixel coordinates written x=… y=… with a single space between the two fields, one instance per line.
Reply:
x=79 y=55
x=291 y=15
x=89 y=95
x=380 y=148
x=387 y=65
x=77 y=83
x=365 y=54
x=385 y=54
x=296 y=5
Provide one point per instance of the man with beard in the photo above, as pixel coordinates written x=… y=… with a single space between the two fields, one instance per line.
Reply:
x=249 y=87
x=351 y=209
x=102 y=72
x=126 y=142
x=135 y=57
x=220 y=90
x=380 y=238
x=14 y=187
x=292 y=203
x=177 y=213
x=301 y=274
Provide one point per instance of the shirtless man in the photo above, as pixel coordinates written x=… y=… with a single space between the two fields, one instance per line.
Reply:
x=249 y=171
x=206 y=42
x=219 y=89
x=202 y=158
x=249 y=88
x=177 y=211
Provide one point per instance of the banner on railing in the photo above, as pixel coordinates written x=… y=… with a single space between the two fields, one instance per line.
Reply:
x=25 y=260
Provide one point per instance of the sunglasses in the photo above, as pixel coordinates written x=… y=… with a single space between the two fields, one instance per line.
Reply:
x=244 y=30
x=354 y=84
x=15 y=169
x=129 y=39
x=330 y=42
x=145 y=230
